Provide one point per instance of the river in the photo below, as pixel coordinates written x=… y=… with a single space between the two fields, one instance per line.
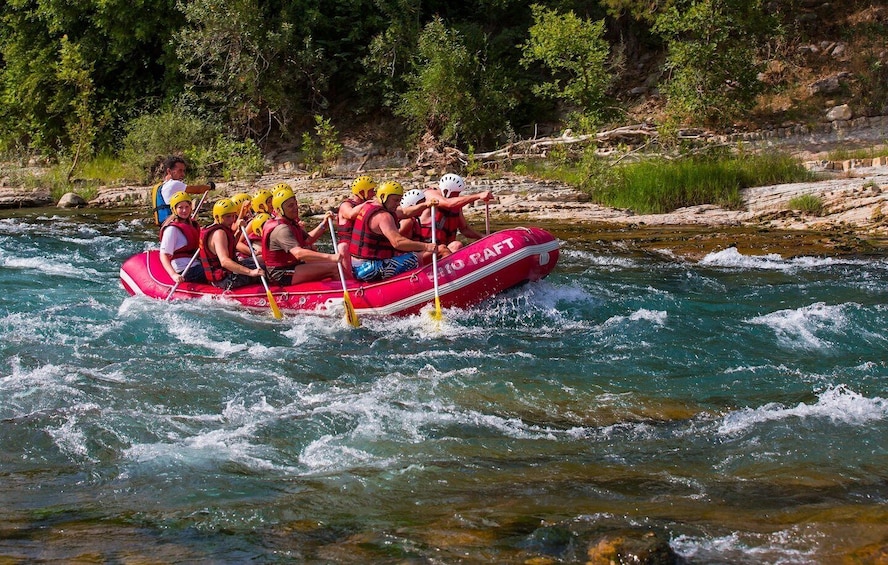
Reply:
x=736 y=405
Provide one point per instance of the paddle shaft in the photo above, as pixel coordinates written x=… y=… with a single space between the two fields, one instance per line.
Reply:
x=199 y=204
x=487 y=217
x=350 y=315
x=185 y=270
x=437 y=313
x=271 y=301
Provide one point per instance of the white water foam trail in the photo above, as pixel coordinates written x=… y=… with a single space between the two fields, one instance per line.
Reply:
x=732 y=258
x=799 y=327
x=839 y=405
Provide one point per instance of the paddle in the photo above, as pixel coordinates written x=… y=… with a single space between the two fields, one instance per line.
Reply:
x=271 y=301
x=199 y=204
x=436 y=315
x=487 y=217
x=185 y=270
x=350 y=315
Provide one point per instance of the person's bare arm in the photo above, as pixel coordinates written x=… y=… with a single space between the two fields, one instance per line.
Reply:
x=386 y=225
x=220 y=247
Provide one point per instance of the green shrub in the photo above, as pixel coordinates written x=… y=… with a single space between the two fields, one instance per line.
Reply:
x=150 y=138
x=807 y=203
x=321 y=150
x=658 y=185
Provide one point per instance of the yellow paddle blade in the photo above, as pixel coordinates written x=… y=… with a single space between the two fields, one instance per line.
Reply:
x=350 y=315
x=436 y=313
x=274 y=305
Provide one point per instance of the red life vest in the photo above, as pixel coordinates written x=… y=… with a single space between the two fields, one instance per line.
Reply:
x=278 y=258
x=212 y=266
x=190 y=229
x=447 y=222
x=344 y=231
x=419 y=232
x=366 y=244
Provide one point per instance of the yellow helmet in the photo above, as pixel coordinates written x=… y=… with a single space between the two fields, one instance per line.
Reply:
x=281 y=186
x=223 y=207
x=388 y=188
x=363 y=186
x=281 y=196
x=239 y=199
x=259 y=201
x=257 y=223
x=178 y=198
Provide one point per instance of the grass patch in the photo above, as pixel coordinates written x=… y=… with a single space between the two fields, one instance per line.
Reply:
x=862 y=153
x=659 y=185
x=807 y=203
x=107 y=170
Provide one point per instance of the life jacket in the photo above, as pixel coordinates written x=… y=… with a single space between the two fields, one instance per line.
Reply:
x=161 y=210
x=344 y=231
x=212 y=266
x=447 y=223
x=278 y=258
x=190 y=229
x=365 y=244
x=418 y=231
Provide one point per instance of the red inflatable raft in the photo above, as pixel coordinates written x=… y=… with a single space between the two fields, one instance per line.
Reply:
x=491 y=265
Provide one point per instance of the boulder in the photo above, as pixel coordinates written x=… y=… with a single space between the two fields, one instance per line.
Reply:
x=837 y=113
x=71 y=200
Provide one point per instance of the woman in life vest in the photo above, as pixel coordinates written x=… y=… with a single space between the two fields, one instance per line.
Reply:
x=218 y=251
x=287 y=248
x=179 y=241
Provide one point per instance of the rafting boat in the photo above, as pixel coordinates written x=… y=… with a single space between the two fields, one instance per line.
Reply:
x=477 y=271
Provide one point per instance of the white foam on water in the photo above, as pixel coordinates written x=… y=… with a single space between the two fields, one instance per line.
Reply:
x=71 y=439
x=233 y=442
x=656 y=317
x=838 y=404
x=798 y=327
x=49 y=266
x=732 y=258
x=615 y=262
x=783 y=547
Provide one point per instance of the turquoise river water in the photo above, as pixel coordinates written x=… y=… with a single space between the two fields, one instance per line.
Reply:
x=737 y=406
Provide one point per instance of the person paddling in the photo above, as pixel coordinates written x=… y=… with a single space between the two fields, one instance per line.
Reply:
x=288 y=250
x=179 y=240
x=218 y=249
x=450 y=219
x=376 y=242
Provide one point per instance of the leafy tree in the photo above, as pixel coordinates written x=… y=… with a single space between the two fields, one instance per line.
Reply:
x=228 y=52
x=711 y=57
x=576 y=53
x=454 y=95
x=122 y=49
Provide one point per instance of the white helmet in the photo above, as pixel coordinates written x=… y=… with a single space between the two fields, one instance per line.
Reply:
x=412 y=197
x=451 y=184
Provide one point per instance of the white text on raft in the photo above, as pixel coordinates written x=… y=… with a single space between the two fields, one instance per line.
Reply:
x=492 y=251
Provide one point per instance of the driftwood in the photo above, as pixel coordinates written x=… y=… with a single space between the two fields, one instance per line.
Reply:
x=433 y=154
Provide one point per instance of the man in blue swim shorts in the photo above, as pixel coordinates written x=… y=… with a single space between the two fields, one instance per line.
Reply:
x=375 y=241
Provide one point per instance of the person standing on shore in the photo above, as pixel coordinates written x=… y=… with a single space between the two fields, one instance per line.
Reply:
x=173 y=181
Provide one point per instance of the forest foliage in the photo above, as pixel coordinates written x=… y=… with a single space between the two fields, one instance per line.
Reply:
x=91 y=77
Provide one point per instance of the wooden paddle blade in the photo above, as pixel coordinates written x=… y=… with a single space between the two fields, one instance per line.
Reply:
x=273 y=303
x=350 y=315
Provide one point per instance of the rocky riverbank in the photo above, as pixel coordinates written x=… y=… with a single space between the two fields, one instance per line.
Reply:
x=853 y=220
